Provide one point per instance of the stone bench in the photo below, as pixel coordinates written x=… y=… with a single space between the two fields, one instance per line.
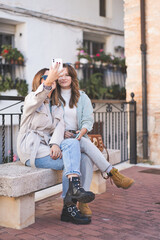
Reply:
x=19 y=183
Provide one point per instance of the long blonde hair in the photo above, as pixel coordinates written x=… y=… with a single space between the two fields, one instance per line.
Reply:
x=74 y=88
x=37 y=82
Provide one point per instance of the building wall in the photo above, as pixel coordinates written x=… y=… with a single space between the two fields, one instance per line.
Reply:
x=42 y=39
x=134 y=74
x=85 y=11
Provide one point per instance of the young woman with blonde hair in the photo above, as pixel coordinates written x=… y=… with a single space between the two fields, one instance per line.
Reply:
x=41 y=141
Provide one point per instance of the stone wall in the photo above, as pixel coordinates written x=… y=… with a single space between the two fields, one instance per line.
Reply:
x=134 y=75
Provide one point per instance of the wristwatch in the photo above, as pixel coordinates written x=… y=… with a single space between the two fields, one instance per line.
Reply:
x=47 y=87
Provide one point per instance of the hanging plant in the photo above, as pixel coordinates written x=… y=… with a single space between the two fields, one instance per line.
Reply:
x=20 y=85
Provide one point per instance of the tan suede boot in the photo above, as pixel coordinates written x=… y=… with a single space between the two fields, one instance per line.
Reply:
x=119 y=179
x=84 y=209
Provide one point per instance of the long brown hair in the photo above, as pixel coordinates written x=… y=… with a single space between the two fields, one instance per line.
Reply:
x=74 y=88
x=37 y=82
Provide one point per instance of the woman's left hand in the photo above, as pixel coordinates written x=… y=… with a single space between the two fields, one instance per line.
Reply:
x=81 y=133
x=55 y=152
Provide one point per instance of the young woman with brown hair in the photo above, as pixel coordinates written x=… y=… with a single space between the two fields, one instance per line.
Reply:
x=78 y=117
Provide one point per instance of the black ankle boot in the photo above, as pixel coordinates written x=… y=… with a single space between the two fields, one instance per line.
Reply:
x=75 y=192
x=71 y=214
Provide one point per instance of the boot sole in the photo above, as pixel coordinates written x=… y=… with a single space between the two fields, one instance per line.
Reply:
x=126 y=187
x=87 y=215
x=84 y=199
x=130 y=185
x=66 y=219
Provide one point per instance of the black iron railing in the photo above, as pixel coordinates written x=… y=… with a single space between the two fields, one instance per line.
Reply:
x=114 y=120
x=117 y=125
x=9 y=125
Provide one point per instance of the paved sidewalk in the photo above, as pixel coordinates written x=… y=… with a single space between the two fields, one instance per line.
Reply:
x=118 y=214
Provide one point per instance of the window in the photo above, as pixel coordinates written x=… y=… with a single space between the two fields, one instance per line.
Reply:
x=93 y=47
x=5 y=39
x=102 y=8
x=6 y=69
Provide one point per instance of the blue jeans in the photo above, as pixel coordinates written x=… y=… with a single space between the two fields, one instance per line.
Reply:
x=86 y=168
x=70 y=160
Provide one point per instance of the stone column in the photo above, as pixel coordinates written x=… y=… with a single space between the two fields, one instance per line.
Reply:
x=134 y=75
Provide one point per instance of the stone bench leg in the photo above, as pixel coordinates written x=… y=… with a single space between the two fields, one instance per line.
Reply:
x=17 y=212
x=98 y=184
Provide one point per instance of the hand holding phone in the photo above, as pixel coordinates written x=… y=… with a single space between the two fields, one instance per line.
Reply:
x=78 y=135
x=59 y=61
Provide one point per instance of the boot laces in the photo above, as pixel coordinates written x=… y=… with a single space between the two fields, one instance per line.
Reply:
x=77 y=185
x=107 y=177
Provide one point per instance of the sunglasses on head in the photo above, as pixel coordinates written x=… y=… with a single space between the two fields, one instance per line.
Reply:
x=44 y=77
x=70 y=64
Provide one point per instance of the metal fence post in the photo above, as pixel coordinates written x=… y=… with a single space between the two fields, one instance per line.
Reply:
x=133 y=130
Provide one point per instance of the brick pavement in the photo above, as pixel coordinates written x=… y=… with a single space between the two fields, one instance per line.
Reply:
x=118 y=214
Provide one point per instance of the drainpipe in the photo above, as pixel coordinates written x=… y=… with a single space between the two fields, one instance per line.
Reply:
x=143 y=48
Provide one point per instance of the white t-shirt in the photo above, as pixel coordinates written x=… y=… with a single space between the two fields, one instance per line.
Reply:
x=70 y=114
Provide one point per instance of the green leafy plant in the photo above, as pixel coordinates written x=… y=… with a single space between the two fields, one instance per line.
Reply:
x=95 y=90
x=12 y=55
x=94 y=87
x=119 y=49
x=19 y=84
x=22 y=87
x=102 y=56
x=103 y=59
x=82 y=53
x=116 y=92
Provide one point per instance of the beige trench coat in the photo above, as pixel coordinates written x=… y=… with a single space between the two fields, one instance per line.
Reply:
x=40 y=127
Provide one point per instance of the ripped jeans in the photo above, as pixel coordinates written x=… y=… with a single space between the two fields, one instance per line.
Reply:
x=70 y=160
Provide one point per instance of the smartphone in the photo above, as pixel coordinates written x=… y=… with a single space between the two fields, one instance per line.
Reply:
x=59 y=60
x=78 y=135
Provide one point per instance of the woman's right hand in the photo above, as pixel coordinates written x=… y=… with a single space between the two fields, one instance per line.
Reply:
x=55 y=152
x=68 y=134
x=53 y=75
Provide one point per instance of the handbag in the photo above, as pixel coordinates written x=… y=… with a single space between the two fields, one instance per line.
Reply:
x=97 y=140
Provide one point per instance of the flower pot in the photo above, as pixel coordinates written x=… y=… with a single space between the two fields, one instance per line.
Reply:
x=3 y=60
x=91 y=65
x=83 y=60
x=98 y=64
x=104 y=64
x=11 y=92
x=12 y=61
x=77 y=65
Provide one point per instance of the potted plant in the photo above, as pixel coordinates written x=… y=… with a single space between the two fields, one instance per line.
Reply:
x=97 y=60
x=12 y=55
x=122 y=65
x=20 y=86
x=6 y=52
x=77 y=64
x=83 y=56
x=102 y=58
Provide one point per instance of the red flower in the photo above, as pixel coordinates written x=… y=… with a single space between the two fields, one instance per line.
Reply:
x=101 y=50
x=6 y=51
x=98 y=55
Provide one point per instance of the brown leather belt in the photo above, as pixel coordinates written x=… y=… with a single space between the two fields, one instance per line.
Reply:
x=72 y=131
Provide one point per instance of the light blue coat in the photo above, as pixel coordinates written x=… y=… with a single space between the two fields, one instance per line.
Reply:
x=85 y=112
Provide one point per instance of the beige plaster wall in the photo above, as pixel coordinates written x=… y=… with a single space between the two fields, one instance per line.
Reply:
x=134 y=77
